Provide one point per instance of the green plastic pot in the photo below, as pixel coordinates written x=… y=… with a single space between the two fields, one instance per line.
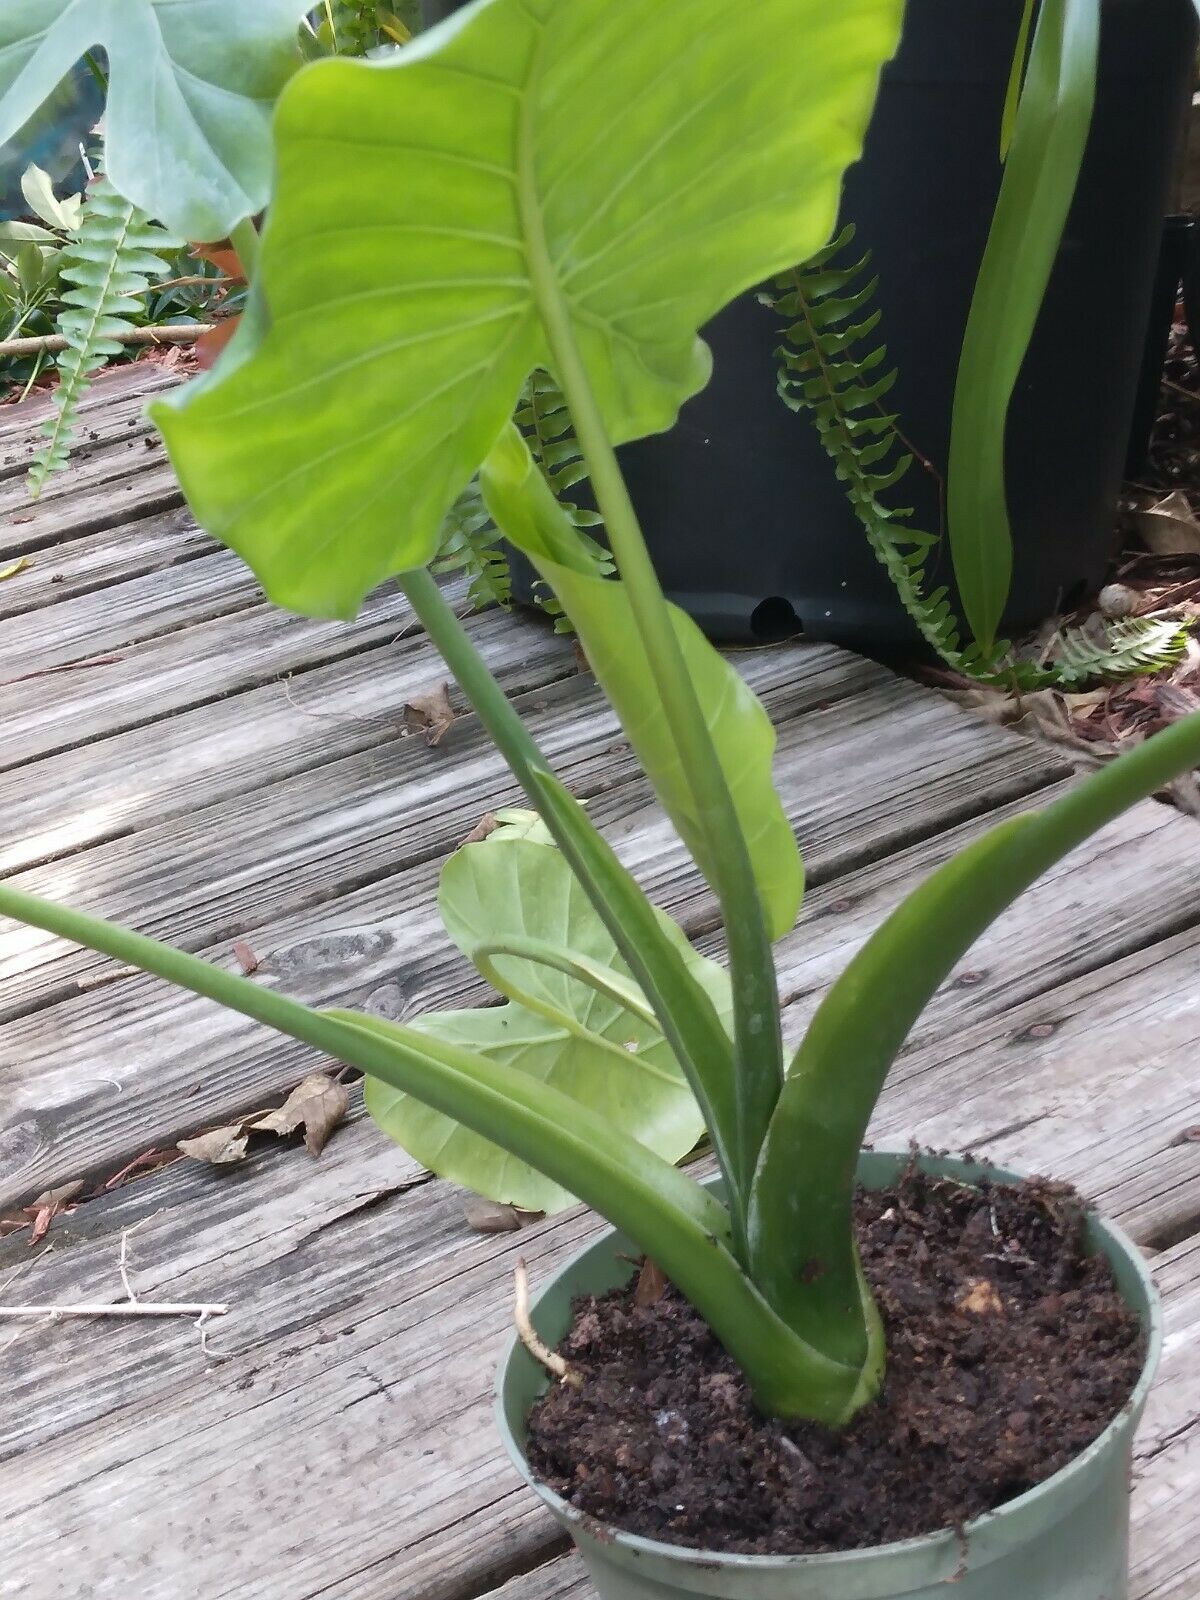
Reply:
x=1067 y=1539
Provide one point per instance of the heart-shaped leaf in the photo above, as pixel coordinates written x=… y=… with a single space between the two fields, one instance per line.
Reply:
x=192 y=84
x=613 y=172
x=572 y=1035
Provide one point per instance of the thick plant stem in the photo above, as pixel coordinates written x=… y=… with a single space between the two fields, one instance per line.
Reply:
x=243 y=236
x=685 y=1012
x=758 y=1043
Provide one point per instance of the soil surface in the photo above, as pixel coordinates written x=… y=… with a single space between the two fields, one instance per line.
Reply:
x=1009 y=1351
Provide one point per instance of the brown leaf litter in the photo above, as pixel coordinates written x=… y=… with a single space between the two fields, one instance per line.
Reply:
x=429 y=712
x=318 y=1105
x=1157 y=575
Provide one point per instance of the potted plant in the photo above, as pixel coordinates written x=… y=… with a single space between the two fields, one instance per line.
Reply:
x=362 y=392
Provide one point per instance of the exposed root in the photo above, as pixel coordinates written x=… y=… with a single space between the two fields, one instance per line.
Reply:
x=528 y=1334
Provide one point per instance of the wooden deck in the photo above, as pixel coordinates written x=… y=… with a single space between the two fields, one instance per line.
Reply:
x=177 y=753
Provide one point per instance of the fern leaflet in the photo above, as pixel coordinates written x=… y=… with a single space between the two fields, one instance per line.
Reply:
x=471 y=542
x=831 y=368
x=110 y=262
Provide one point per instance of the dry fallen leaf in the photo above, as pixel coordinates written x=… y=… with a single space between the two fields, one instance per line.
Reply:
x=219 y=1146
x=213 y=340
x=489 y=1216
x=430 y=713
x=223 y=256
x=13 y=567
x=1169 y=528
x=486 y=825
x=651 y=1284
x=246 y=958
x=317 y=1105
x=40 y=1213
x=486 y=1216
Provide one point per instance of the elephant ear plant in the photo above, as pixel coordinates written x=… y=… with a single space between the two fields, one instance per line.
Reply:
x=577 y=187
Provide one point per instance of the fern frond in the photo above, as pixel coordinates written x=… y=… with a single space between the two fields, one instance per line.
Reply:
x=110 y=263
x=472 y=544
x=545 y=420
x=1125 y=649
x=831 y=367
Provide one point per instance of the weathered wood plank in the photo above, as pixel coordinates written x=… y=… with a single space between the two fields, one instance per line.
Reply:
x=311 y=837
x=104 y=493
x=1166 y=1564
x=183 y=669
x=115 y=396
x=1093 y=1080
x=248 y=740
x=325 y=1385
x=80 y=566
x=137 y=611
x=561 y=1578
x=379 y=946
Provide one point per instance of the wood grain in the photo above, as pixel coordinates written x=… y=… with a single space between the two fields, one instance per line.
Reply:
x=235 y=772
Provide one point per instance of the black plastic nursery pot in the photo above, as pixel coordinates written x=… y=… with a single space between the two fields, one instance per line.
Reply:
x=1066 y=1539
x=748 y=526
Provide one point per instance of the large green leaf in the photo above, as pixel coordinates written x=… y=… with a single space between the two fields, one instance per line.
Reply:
x=741 y=730
x=192 y=84
x=564 y=1025
x=1048 y=137
x=621 y=171
x=802 y=1203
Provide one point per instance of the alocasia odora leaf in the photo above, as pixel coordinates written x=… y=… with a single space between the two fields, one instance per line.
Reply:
x=516 y=894
x=191 y=88
x=619 y=170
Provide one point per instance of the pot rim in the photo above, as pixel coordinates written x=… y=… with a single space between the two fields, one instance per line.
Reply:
x=1118 y=1243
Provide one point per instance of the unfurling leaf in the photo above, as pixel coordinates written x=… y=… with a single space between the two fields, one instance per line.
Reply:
x=739 y=725
x=1049 y=133
x=435 y=215
x=562 y=1031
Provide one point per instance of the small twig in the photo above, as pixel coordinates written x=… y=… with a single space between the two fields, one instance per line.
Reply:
x=139 y=1308
x=528 y=1335
x=65 y=666
x=98 y=980
x=171 y=333
x=322 y=716
x=123 y=1267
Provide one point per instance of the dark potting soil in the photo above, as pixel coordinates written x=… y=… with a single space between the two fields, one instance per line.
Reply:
x=1009 y=1351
